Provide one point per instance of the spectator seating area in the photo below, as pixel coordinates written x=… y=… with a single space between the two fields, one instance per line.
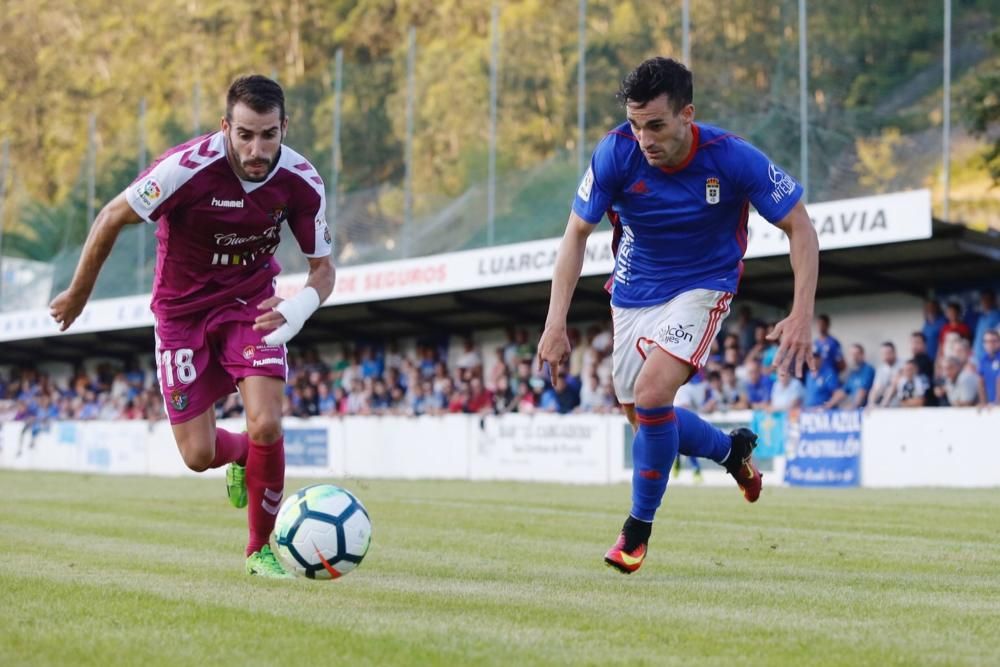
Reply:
x=952 y=359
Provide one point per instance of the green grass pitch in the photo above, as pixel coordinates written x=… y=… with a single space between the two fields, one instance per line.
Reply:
x=138 y=571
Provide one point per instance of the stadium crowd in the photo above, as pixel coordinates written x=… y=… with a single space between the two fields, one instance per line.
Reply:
x=953 y=359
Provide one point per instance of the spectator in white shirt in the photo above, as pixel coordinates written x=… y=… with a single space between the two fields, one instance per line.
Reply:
x=470 y=360
x=961 y=386
x=786 y=393
x=592 y=399
x=885 y=376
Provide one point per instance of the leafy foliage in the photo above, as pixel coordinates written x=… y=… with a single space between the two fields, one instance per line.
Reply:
x=871 y=63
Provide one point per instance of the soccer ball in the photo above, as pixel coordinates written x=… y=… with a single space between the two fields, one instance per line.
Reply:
x=322 y=532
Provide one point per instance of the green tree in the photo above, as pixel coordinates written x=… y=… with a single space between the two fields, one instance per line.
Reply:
x=982 y=106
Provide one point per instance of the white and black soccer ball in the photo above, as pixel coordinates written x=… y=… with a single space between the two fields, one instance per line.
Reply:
x=322 y=532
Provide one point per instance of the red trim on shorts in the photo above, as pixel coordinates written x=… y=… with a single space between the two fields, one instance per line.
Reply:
x=713 y=326
x=706 y=339
x=710 y=332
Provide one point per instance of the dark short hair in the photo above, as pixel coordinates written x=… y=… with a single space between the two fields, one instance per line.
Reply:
x=824 y=318
x=257 y=92
x=920 y=335
x=889 y=343
x=655 y=77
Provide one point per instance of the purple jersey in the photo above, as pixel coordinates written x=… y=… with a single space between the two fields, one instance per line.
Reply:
x=217 y=233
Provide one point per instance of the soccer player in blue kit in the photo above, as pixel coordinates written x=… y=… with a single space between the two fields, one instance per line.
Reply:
x=681 y=192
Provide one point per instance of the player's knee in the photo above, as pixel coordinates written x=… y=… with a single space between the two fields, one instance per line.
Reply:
x=198 y=459
x=653 y=395
x=264 y=429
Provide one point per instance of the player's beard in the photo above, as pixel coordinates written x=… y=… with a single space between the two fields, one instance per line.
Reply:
x=239 y=165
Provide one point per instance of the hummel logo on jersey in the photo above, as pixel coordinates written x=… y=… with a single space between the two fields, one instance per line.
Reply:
x=227 y=203
x=639 y=188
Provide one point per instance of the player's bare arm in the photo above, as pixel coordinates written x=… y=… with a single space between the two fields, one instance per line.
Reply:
x=554 y=346
x=285 y=317
x=794 y=333
x=68 y=305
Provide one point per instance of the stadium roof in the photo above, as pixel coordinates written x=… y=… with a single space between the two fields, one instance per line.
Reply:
x=953 y=257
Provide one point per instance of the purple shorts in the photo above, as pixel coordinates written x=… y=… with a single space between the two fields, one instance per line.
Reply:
x=200 y=358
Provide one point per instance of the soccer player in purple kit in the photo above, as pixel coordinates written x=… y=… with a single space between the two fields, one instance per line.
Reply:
x=219 y=202
x=681 y=192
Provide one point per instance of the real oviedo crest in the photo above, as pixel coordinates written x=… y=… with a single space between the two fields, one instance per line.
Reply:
x=712 y=190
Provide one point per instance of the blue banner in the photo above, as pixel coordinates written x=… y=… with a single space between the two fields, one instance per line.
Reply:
x=306 y=447
x=828 y=449
x=770 y=428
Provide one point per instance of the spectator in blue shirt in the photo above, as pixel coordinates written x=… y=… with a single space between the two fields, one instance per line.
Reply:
x=757 y=387
x=934 y=319
x=372 y=365
x=827 y=346
x=989 y=320
x=989 y=369
x=560 y=397
x=857 y=384
x=821 y=385
x=325 y=400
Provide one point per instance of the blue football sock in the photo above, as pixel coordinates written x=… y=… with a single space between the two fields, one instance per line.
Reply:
x=699 y=438
x=695 y=463
x=653 y=452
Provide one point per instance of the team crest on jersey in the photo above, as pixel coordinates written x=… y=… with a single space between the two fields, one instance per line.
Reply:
x=148 y=192
x=178 y=399
x=279 y=214
x=326 y=234
x=248 y=352
x=712 y=190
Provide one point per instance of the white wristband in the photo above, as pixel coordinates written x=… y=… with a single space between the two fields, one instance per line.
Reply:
x=296 y=311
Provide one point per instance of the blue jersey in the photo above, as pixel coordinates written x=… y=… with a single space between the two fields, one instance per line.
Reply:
x=859 y=378
x=932 y=332
x=759 y=391
x=989 y=370
x=685 y=227
x=828 y=349
x=820 y=387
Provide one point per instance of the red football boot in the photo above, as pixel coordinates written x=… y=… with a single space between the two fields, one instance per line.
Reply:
x=624 y=561
x=741 y=466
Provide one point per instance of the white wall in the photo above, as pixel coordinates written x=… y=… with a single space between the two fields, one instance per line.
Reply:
x=872 y=319
x=954 y=447
x=931 y=447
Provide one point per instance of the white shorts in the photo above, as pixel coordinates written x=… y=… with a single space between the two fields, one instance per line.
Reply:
x=683 y=327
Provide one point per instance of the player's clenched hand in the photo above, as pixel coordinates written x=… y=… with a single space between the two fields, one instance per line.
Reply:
x=794 y=336
x=553 y=348
x=271 y=319
x=284 y=317
x=66 y=307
